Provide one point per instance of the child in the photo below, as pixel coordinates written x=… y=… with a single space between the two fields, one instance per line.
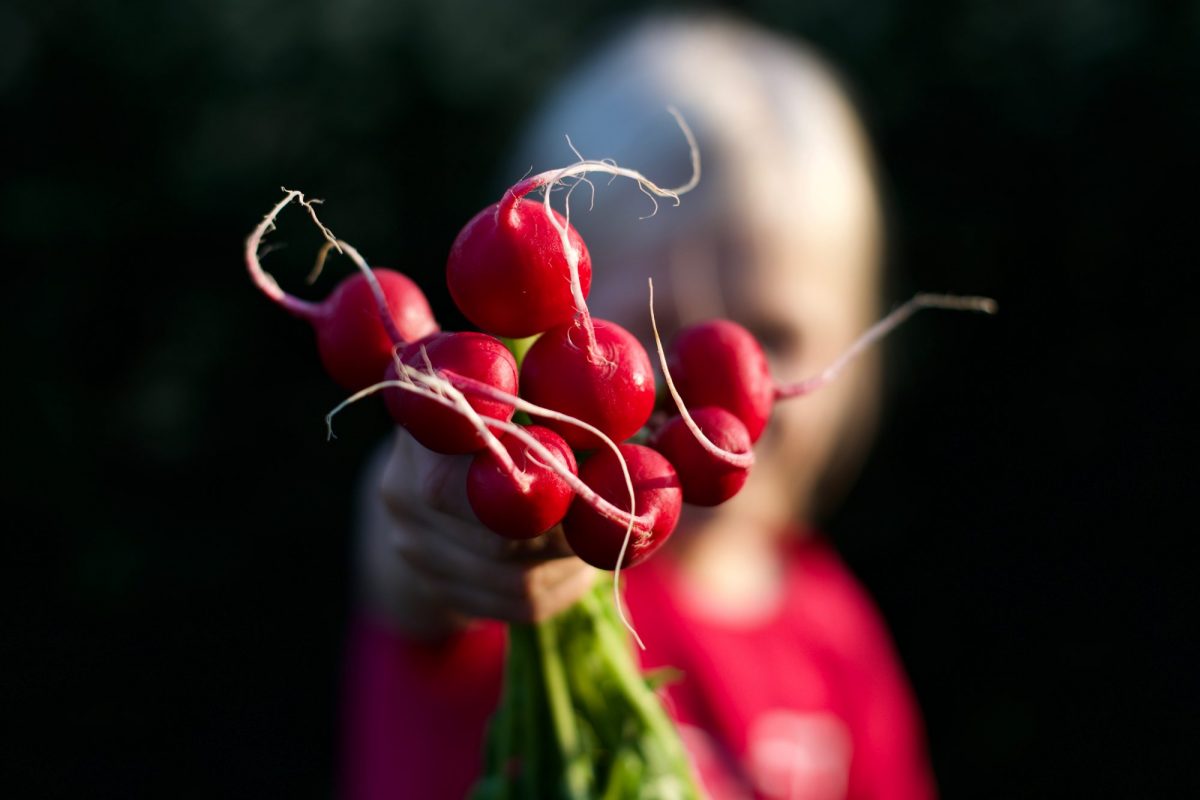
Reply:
x=790 y=687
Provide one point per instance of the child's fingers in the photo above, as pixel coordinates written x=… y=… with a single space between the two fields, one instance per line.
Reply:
x=415 y=476
x=552 y=544
x=448 y=550
x=423 y=522
x=475 y=582
x=560 y=591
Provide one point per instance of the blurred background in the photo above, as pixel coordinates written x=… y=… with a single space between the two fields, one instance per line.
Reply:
x=178 y=551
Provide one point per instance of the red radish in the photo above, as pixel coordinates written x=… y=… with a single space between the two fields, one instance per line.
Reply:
x=706 y=479
x=507 y=270
x=476 y=356
x=719 y=363
x=355 y=348
x=362 y=320
x=612 y=388
x=516 y=271
x=658 y=500
x=521 y=509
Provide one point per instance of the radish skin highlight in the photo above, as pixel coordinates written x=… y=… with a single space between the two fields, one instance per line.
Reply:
x=706 y=480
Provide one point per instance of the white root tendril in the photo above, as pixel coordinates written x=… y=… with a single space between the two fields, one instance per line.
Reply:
x=332 y=242
x=443 y=392
x=302 y=308
x=319 y=262
x=606 y=509
x=312 y=212
x=739 y=460
x=883 y=327
x=263 y=279
x=550 y=179
x=460 y=404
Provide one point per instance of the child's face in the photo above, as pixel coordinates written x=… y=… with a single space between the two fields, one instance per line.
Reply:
x=802 y=302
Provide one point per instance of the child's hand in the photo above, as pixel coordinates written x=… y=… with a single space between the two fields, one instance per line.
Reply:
x=441 y=566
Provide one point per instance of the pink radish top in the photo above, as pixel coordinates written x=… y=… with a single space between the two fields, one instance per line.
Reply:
x=807 y=702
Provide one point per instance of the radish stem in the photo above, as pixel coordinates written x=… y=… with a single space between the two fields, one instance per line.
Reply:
x=882 y=328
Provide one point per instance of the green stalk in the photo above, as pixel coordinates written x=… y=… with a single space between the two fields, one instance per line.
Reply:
x=502 y=751
x=580 y=716
x=522 y=645
x=661 y=733
x=577 y=776
x=500 y=746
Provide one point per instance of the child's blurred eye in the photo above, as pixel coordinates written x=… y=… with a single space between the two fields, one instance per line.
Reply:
x=779 y=340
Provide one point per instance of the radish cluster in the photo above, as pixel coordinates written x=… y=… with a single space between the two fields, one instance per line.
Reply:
x=576 y=718
x=519 y=269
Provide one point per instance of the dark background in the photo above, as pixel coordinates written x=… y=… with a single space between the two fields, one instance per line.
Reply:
x=178 y=581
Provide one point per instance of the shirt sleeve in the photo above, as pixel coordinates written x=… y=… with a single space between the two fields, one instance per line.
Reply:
x=415 y=712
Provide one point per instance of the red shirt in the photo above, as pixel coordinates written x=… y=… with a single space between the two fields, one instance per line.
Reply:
x=808 y=701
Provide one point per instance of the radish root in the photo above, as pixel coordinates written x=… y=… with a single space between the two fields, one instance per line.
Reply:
x=547 y=181
x=883 y=327
x=263 y=279
x=303 y=308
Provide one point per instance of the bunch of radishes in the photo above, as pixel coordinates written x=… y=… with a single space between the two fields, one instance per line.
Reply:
x=586 y=458
x=519 y=270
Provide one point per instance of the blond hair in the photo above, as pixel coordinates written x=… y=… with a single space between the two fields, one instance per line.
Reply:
x=782 y=149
